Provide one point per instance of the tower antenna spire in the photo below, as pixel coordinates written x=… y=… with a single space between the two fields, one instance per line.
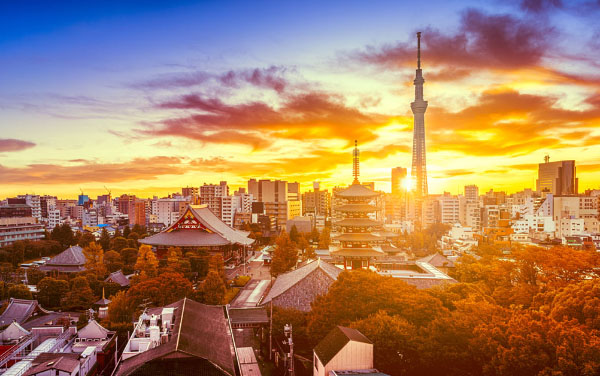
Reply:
x=418 y=50
x=356 y=164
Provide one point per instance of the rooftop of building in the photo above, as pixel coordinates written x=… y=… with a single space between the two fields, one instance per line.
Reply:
x=335 y=341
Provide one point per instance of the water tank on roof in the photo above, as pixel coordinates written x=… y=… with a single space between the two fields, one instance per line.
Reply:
x=155 y=335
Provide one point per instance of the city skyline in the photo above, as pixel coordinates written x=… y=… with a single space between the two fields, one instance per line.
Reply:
x=211 y=95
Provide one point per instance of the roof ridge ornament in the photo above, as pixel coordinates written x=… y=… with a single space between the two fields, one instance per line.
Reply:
x=356 y=163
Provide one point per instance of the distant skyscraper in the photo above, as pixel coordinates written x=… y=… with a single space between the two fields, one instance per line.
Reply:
x=398 y=175
x=558 y=178
x=419 y=106
x=472 y=193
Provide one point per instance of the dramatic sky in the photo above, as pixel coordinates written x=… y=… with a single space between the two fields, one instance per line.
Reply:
x=146 y=97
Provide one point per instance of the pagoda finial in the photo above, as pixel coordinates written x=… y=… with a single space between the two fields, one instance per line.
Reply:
x=356 y=164
x=418 y=50
x=103 y=293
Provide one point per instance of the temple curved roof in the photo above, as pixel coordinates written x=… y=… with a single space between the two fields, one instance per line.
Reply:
x=357 y=252
x=356 y=190
x=357 y=222
x=356 y=208
x=198 y=227
x=358 y=237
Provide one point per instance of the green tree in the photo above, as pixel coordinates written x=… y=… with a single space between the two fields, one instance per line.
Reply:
x=80 y=297
x=121 y=308
x=213 y=289
x=19 y=292
x=113 y=261
x=86 y=238
x=104 y=239
x=294 y=234
x=285 y=255
x=51 y=291
x=324 y=239
x=34 y=276
x=119 y=243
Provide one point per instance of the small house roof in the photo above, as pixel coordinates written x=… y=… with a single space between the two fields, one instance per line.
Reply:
x=93 y=330
x=119 y=278
x=66 y=362
x=437 y=260
x=19 y=310
x=335 y=341
x=13 y=331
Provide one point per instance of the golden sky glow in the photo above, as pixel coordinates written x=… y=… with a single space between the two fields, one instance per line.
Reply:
x=505 y=86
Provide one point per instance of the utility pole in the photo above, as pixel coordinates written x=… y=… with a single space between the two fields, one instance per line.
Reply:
x=287 y=330
x=271 y=333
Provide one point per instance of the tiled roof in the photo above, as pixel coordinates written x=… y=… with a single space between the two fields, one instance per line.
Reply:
x=13 y=331
x=65 y=362
x=19 y=310
x=93 y=330
x=357 y=252
x=221 y=233
x=248 y=316
x=437 y=260
x=335 y=341
x=359 y=222
x=358 y=237
x=287 y=280
x=200 y=330
x=356 y=208
x=356 y=190
x=118 y=277
x=71 y=259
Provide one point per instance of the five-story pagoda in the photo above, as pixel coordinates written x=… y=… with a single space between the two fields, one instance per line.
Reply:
x=356 y=245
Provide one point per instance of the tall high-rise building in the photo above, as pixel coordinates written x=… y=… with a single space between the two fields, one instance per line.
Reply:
x=558 y=178
x=398 y=176
x=419 y=106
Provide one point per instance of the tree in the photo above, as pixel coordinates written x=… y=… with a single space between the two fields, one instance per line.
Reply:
x=358 y=294
x=119 y=243
x=80 y=297
x=34 y=276
x=146 y=261
x=395 y=341
x=19 y=292
x=86 y=238
x=121 y=308
x=324 y=239
x=162 y=290
x=94 y=256
x=216 y=265
x=129 y=257
x=51 y=291
x=64 y=235
x=314 y=235
x=104 y=239
x=126 y=232
x=213 y=289
x=294 y=234
x=113 y=261
x=285 y=255
x=579 y=301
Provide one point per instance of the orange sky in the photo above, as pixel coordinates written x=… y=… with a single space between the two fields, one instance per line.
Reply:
x=505 y=86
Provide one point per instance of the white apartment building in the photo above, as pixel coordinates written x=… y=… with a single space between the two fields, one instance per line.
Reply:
x=570 y=227
x=34 y=202
x=449 y=209
x=54 y=218
x=532 y=223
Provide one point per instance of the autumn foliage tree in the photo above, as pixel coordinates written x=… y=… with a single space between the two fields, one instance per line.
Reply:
x=146 y=261
x=94 y=259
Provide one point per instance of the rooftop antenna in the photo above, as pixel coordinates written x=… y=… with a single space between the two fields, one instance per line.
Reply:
x=547 y=158
x=418 y=50
x=356 y=167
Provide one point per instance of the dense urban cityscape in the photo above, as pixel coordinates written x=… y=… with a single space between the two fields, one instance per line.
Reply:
x=280 y=276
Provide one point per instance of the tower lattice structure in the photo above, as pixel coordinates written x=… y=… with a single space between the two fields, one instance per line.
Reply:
x=419 y=106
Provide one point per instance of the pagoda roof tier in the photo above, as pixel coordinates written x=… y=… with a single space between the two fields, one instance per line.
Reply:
x=357 y=252
x=357 y=222
x=357 y=190
x=356 y=208
x=198 y=227
x=358 y=237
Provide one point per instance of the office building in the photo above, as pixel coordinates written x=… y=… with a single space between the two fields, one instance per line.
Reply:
x=558 y=178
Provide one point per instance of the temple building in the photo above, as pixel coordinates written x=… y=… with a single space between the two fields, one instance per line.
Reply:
x=357 y=244
x=199 y=229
